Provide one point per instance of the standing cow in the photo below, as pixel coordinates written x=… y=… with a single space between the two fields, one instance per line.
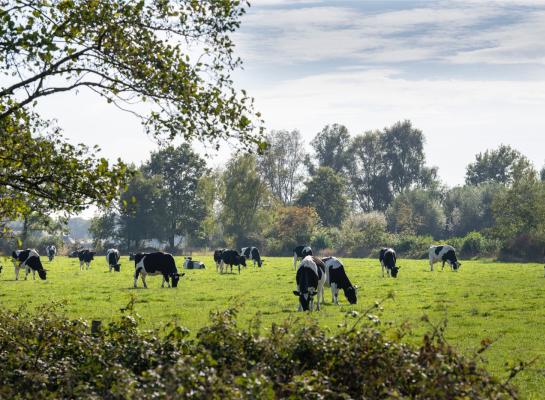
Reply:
x=112 y=258
x=310 y=279
x=387 y=258
x=85 y=257
x=252 y=253
x=231 y=257
x=158 y=263
x=300 y=252
x=217 y=258
x=444 y=253
x=28 y=259
x=337 y=279
x=51 y=251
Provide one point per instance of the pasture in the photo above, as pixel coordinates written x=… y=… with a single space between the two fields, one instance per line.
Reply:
x=501 y=301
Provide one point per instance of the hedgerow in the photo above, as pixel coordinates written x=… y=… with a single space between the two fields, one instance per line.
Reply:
x=46 y=355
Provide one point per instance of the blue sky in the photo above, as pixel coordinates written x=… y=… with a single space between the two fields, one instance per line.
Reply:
x=469 y=74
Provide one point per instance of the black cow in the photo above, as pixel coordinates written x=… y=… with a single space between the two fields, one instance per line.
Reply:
x=337 y=279
x=28 y=259
x=444 y=253
x=112 y=258
x=217 y=258
x=252 y=253
x=300 y=252
x=231 y=257
x=157 y=263
x=85 y=257
x=310 y=279
x=51 y=251
x=387 y=258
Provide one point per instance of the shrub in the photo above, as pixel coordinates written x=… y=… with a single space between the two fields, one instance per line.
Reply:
x=412 y=246
x=472 y=245
x=45 y=355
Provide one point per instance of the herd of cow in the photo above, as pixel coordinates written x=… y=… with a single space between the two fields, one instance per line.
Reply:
x=312 y=274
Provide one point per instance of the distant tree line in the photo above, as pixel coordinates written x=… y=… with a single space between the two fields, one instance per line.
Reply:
x=352 y=194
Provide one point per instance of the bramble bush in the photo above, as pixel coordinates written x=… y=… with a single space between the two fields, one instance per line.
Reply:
x=45 y=355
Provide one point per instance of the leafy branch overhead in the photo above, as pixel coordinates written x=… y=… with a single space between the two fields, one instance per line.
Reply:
x=176 y=56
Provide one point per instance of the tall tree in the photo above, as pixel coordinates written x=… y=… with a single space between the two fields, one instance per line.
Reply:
x=496 y=166
x=325 y=192
x=281 y=164
x=243 y=194
x=403 y=148
x=368 y=172
x=178 y=170
x=330 y=149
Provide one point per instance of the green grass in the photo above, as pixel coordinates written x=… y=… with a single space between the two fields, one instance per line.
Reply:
x=501 y=301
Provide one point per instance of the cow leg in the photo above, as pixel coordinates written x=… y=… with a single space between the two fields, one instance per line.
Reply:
x=33 y=275
x=16 y=273
x=26 y=273
x=443 y=266
x=144 y=279
x=294 y=261
x=81 y=265
x=431 y=265
x=239 y=268
x=222 y=265
x=382 y=266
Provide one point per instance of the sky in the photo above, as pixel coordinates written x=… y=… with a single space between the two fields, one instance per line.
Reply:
x=469 y=74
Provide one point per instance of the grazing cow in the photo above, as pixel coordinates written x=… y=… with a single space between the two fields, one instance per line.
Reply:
x=51 y=251
x=444 y=253
x=310 y=279
x=231 y=257
x=112 y=258
x=252 y=253
x=387 y=258
x=337 y=279
x=158 y=263
x=217 y=258
x=85 y=257
x=28 y=259
x=190 y=264
x=300 y=252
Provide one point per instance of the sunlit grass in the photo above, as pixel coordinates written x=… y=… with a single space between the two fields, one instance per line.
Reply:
x=501 y=301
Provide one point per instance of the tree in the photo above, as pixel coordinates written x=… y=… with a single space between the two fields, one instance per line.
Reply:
x=280 y=165
x=291 y=226
x=175 y=55
x=403 y=148
x=244 y=193
x=330 y=149
x=496 y=166
x=177 y=171
x=325 y=192
x=104 y=228
x=45 y=174
x=368 y=172
x=416 y=212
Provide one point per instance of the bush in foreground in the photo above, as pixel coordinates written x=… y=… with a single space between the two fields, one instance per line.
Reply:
x=45 y=355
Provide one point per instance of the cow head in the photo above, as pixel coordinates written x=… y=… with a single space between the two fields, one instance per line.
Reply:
x=304 y=299
x=117 y=267
x=42 y=273
x=351 y=294
x=307 y=251
x=242 y=260
x=394 y=271
x=91 y=255
x=138 y=257
x=455 y=265
x=175 y=278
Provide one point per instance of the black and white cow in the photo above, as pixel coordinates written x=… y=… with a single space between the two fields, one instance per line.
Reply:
x=444 y=253
x=387 y=258
x=310 y=279
x=157 y=263
x=112 y=258
x=252 y=253
x=51 y=251
x=337 y=279
x=231 y=257
x=300 y=252
x=217 y=258
x=189 y=263
x=85 y=257
x=28 y=259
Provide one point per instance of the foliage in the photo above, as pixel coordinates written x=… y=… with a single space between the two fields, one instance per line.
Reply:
x=62 y=358
x=292 y=226
x=361 y=234
x=496 y=166
x=411 y=246
x=331 y=147
x=416 y=212
x=243 y=196
x=41 y=173
x=325 y=192
x=175 y=55
x=280 y=165
x=177 y=171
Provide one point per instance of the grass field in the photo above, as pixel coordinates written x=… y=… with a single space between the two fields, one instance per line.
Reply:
x=500 y=301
